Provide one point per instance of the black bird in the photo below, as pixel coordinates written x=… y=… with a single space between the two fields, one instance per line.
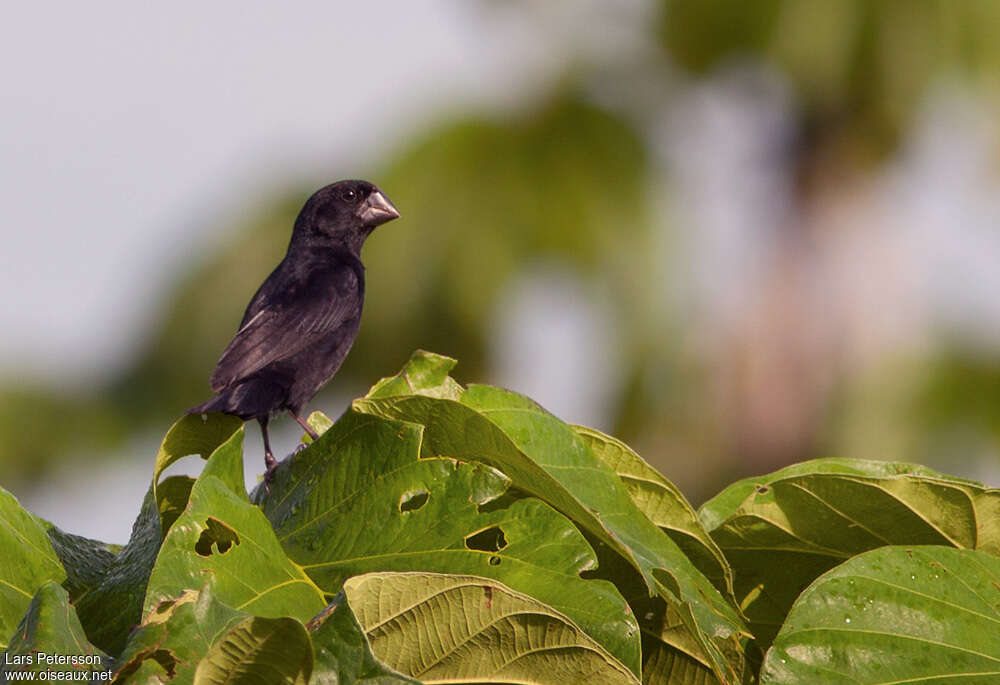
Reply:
x=301 y=323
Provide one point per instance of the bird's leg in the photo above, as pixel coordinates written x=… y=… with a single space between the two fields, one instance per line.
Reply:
x=269 y=461
x=305 y=425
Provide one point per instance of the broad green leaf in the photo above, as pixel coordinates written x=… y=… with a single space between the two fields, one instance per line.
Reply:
x=268 y=651
x=341 y=653
x=174 y=637
x=222 y=536
x=110 y=609
x=924 y=614
x=713 y=512
x=663 y=504
x=27 y=562
x=461 y=629
x=51 y=626
x=361 y=499
x=544 y=457
x=781 y=531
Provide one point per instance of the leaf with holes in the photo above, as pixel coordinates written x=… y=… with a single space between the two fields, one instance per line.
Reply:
x=782 y=531
x=50 y=626
x=544 y=457
x=341 y=653
x=27 y=562
x=360 y=499
x=451 y=628
x=896 y=614
x=222 y=536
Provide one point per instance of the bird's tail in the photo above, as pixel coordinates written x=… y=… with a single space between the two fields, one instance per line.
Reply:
x=254 y=398
x=219 y=403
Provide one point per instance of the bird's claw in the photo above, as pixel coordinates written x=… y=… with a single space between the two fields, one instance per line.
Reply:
x=301 y=446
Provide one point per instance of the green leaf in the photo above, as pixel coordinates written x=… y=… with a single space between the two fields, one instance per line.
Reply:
x=222 y=536
x=341 y=653
x=667 y=644
x=51 y=626
x=425 y=374
x=27 y=562
x=444 y=628
x=266 y=651
x=360 y=500
x=86 y=561
x=199 y=434
x=196 y=638
x=545 y=458
x=110 y=609
x=173 y=494
x=662 y=664
x=716 y=510
x=895 y=614
x=781 y=531
x=663 y=504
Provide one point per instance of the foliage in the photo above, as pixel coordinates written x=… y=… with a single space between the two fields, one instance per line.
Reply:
x=437 y=533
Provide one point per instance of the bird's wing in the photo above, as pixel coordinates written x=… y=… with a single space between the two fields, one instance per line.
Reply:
x=289 y=323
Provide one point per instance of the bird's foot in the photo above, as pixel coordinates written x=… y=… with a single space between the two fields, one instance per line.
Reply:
x=301 y=446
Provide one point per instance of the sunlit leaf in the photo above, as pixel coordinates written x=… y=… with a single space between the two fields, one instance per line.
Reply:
x=341 y=653
x=27 y=562
x=461 y=629
x=51 y=627
x=894 y=615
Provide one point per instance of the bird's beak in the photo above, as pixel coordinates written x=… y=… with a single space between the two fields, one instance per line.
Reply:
x=377 y=209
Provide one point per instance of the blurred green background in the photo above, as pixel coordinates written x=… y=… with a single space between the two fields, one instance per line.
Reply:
x=735 y=235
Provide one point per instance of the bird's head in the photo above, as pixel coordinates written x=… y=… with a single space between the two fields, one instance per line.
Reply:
x=343 y=213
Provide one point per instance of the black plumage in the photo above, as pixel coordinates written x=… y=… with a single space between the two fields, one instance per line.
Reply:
x=302 y=321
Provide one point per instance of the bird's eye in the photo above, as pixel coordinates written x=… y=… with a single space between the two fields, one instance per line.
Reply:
x=349 y=195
